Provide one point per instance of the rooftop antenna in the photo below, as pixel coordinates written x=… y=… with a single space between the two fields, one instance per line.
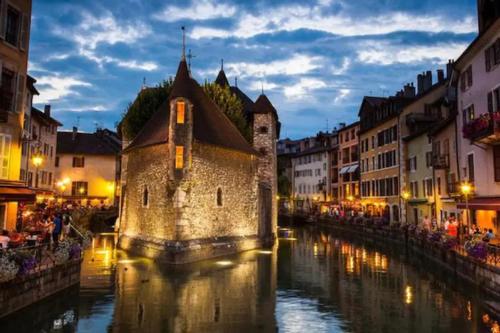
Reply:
x=190 y=56
x=183 y=43
x=326 y=125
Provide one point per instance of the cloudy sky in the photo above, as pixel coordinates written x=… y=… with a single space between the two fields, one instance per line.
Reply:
x=315 y=59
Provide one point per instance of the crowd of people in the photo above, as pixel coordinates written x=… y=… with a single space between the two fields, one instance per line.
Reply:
x=452 y=228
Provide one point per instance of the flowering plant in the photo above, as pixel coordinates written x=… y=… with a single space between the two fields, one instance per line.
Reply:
x=476 y=249
x=61 y=253
x=8 y=268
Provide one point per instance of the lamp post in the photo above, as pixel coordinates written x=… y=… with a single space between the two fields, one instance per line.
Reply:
x=466 y=189
x=405 y=195
x=37 y=161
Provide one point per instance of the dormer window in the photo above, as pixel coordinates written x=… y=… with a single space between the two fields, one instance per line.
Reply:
x=263 y=129
x=179 y=157
x=181 y=108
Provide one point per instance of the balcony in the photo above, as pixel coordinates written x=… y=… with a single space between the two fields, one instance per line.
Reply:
x=440 y=161
x=484 y=129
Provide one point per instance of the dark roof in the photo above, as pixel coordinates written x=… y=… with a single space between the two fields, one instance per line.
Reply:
x=375 y=101
x=245 y=100
x=210 y=124
x=263 y=105
x=103 y=142
x=312 y=150
x=221 y=79
x=31 y=85
x=348 y=126
x=44 y=117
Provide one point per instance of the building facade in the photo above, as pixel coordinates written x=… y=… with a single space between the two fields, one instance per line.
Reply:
x=87 y=167
x=348 y=167
x=379 y=122
x=15 y=20
x=478 y=103
x=195 y=187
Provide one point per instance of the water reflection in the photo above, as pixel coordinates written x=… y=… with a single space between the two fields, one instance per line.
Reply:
x=312 y=281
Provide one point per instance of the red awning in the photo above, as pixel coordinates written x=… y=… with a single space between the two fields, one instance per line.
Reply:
x=481 y=204
x=8 y=194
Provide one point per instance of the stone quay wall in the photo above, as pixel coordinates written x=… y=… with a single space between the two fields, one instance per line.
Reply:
x=484 y=276
x=22 y=292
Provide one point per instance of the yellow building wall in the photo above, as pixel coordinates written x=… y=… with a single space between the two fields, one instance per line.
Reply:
x=99 y=172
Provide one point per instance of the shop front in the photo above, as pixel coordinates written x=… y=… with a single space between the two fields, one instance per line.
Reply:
x=484 y=212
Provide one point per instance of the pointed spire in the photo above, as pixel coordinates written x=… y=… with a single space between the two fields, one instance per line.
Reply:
x=236 y=81
x=143 y=83
x=221 y=79
x=183 y=57
x=262 y=87
x=222 y=64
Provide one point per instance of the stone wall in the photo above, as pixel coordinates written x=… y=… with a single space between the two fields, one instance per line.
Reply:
x=268 y=163
x=154 y=221
x=21 y=292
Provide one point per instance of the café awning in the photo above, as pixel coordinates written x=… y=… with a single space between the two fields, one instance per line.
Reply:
x=353 y=168
x=19 y=194
x=481 y=204
x=344 y=170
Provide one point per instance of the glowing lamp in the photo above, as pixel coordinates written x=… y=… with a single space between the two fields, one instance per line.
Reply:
x=37 y=160
x=466 y=188
x=405 y=195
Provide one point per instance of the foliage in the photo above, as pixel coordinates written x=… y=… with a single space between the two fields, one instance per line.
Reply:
x=284 y=186
x=231 y=105
x=144 y=106
x=149 y=100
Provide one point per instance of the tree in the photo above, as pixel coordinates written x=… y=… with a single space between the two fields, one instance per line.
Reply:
x=145 y=105
x=149 y=100
x=231 y=105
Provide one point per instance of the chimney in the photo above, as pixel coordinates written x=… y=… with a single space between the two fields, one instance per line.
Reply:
x=440 y=75
x=449 y=68
x=409 y=90
x=341 y=125
x=46 y=110
x=428 y=80
x=420 y=84
x=75 y=131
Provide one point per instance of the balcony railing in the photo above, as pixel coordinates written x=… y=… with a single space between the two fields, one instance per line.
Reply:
x=440 y=161
x=484 y=129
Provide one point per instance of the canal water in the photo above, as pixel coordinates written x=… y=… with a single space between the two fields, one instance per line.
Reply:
x=311 y=281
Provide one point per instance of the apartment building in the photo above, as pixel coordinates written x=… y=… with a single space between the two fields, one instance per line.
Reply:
x=379 y=159
x=15 y=20
x=478 y=101
x=348 y=167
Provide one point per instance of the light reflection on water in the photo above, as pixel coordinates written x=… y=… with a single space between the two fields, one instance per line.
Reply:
x=311 y=281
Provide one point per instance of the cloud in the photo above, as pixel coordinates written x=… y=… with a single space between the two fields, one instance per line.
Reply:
x=199 y=10
x=384 y=53
x=106 y=30
x=342 y=69
x=294 y=17
x=96 y=108
x=258 y=85
x=303 y=88
x=56 y=87
x=343 y=93
x=296 y=65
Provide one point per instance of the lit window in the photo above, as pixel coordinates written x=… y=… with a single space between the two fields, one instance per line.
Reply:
x=179 y=157
x=5 y=143
x=181 y=107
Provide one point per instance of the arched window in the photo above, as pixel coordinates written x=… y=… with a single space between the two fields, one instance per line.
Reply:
x=263 y=129
x=219 y=197
x=181 y=107
x=145 y=197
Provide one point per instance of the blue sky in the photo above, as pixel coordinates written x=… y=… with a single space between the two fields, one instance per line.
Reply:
x=315 y=59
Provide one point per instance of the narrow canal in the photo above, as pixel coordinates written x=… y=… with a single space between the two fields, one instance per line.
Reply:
x=311 y=281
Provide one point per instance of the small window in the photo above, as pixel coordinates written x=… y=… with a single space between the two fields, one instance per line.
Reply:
x=263 y=151
x=219 y=197
x=13 y=26
x=78 y=161
x=179 y=157
x=181 y=108
x=263 y=130
x=145 y=197
x=57 y=162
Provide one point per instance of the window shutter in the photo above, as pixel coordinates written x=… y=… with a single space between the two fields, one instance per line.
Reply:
x=487 y=59
x=25 y=30
x=490 y=102
x=21 y=83
x=3 y=18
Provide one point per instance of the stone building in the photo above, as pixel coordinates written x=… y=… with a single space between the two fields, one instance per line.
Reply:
x=195 y=188
x=15 y=20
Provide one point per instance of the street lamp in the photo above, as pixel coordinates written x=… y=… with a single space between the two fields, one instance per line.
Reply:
x=466 y=189
x=37 y=161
